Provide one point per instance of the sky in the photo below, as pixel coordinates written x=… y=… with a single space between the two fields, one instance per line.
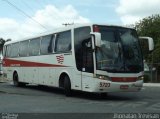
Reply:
x=25 y=18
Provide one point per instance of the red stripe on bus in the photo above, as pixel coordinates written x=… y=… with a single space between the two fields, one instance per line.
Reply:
x=19 y=63
x=124 y=79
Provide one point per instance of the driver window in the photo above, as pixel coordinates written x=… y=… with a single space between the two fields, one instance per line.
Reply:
x=87 y=55
x=83 y=53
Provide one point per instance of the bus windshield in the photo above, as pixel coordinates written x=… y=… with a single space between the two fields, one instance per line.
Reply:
x=120 y=50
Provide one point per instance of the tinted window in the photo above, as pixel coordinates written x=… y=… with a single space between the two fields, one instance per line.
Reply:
x=34 y=47
x=24 y=48
x=47 y=44
x=15 y=50
x=87 y=55
x=63 y=42
x=81 y=34
x=82 y=51
x=8 y=50
x=4 y=51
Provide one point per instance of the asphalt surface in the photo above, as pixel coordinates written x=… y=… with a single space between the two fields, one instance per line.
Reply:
x=43 y=100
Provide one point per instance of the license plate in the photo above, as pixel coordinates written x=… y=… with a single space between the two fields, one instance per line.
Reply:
x=124 y=87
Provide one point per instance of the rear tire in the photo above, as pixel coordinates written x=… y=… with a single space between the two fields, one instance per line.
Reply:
x=67 y=86
x=16 y=81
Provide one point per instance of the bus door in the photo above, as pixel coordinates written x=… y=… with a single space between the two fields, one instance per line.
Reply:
x=83 y=57
x=87 y=64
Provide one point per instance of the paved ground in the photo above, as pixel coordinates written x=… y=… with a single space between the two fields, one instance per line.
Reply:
x=152 y=84
x=34 y=99
x=45 y=99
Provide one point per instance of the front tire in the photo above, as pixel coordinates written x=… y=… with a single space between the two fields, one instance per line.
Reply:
x=67 y=86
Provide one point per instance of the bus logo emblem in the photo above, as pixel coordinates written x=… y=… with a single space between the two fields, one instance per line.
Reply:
x=60 y=59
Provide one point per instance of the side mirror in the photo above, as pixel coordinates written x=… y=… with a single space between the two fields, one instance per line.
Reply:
x=147 y=41
x=97 y=38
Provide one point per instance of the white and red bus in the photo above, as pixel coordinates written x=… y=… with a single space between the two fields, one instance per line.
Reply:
x=92 y=57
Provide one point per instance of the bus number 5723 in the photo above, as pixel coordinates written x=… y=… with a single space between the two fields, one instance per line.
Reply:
x=103 y=84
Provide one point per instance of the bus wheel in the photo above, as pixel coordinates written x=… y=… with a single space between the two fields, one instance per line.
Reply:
x=67 y=86
x=16 y=81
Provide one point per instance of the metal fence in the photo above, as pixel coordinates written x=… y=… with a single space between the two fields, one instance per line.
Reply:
x=152 y=73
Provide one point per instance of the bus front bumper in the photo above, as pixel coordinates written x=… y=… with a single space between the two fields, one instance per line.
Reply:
x=108 y=86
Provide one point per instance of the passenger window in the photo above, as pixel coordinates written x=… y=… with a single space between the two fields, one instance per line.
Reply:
x=34 y=47
x=47 y=44
x=63 y=42
x=14 y=50
x=8 y=50
x=24 y=48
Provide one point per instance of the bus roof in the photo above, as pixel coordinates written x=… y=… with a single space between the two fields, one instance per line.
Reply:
x=61 y=29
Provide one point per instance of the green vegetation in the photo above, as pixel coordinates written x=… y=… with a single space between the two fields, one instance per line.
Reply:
x=150 y=27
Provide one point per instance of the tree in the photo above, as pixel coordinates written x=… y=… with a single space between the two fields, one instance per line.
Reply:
x=2 y=42
x=150 y=26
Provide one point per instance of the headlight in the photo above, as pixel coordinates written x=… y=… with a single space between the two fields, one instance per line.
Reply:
x=102 y=77
x=140 y=78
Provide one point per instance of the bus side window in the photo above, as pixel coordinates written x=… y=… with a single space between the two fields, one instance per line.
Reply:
x=51 y=44
x=63 y=42
x=4 y=51
x=24 y=48
x=34 y=47
x=47 y=44
x=8 y=50
x=15 y=50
